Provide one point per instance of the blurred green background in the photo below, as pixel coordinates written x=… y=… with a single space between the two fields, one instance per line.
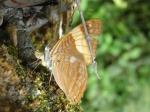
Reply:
x=123 y=56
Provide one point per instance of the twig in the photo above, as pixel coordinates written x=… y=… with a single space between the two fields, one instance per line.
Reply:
x=87 y=36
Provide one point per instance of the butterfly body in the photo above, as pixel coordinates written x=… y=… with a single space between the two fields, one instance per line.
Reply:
x=69 y=58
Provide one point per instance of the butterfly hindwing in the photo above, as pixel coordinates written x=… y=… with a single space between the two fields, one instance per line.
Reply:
x=71 y=75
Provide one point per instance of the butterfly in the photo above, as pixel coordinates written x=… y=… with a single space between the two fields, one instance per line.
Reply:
x=69 y=58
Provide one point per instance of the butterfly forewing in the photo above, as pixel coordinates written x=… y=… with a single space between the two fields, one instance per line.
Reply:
x=69 y=58
x=94 y=28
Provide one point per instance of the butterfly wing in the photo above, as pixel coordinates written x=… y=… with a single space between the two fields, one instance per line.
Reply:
x=69 y=58
x=94 y=27
x=67 y=45
x=70 y=73
x=69 y=69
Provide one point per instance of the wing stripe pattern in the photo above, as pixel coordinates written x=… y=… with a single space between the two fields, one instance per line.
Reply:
x=94 y=29
x=72 y=77
x=69 y=58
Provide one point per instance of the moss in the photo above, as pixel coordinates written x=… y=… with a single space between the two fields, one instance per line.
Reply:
x=23 y=89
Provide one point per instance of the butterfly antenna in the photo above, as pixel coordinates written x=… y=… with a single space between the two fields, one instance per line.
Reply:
x=87 y=36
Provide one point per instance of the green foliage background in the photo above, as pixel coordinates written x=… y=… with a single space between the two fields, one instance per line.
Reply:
x=123 y=56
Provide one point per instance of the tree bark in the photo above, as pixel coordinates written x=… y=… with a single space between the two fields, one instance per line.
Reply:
x=24 y=89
